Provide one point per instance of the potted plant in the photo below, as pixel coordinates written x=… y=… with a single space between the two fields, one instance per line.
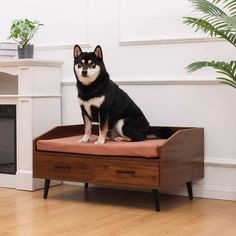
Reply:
x=218 y=20
x=22 y=31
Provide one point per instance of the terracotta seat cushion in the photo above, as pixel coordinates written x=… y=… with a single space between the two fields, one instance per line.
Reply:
x=147 y=148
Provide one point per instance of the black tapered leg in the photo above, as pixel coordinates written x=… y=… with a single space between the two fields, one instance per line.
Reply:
x=190 y=190
x=86 y=185
x=155 y=194
x=46 y=188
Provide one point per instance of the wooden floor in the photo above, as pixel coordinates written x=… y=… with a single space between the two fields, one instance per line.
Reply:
x=69 y=210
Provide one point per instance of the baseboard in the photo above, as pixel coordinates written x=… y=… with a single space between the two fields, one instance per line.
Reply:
x=206 y=191
x=23 y=180
x=202 y=191
x=222 y=162
x=7 y=181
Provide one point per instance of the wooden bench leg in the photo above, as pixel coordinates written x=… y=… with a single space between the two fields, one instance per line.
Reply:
x=155 y=194
x=86 y=185
x=190 y=190
x=46 y=188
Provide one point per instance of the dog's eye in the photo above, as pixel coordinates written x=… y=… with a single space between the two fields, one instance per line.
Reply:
x=80 y=65
x=92 y=65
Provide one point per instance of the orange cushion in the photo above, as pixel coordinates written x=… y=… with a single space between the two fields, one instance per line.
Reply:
x=148 y=148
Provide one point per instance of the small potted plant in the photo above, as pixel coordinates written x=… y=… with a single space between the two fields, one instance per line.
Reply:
x=22 y=31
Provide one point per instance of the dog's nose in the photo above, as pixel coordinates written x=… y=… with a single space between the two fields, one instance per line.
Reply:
x=84 y=72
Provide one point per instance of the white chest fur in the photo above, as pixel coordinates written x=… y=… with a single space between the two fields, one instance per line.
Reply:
x=96 y=102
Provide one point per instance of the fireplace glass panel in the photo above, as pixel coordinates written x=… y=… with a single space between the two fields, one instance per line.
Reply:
x=8 y=139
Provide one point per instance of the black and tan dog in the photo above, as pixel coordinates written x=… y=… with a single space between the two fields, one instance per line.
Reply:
x=102 y=101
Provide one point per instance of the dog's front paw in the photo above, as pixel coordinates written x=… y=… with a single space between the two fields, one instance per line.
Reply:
x=84 y=139
x=100 y=141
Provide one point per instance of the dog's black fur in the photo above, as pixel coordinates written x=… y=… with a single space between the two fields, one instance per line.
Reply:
x=117 y=105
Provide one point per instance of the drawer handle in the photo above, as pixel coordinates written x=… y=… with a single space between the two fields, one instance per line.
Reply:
x=127 y=172
x=62 y=167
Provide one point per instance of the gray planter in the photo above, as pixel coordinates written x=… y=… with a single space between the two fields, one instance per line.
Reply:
x=26 y=52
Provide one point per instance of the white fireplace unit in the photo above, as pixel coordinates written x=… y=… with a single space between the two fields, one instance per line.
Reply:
x=33 y=87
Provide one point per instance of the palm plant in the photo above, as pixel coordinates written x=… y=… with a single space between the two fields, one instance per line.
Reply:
x=218 y=20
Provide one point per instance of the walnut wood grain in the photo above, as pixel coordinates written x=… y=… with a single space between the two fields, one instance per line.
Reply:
x=126 y=173
x=62 y=168
x=182 y=157
x=181 y=160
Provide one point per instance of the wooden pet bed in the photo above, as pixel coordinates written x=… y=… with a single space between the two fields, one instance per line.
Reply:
x=150 y=164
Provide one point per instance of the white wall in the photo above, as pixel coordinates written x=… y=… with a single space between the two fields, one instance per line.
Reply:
x=146 y=49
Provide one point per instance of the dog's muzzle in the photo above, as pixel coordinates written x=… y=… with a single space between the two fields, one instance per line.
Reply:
x=84 y=73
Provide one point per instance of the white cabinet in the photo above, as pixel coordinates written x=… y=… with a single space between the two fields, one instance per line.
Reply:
x=34 y=86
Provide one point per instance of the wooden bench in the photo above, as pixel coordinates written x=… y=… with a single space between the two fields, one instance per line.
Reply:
x=179 y=160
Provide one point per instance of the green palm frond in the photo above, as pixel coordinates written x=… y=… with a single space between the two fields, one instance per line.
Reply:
x=201 y=25
x=230 y=22
x=207 y=7
x=214 y=22
x=228 y=70
x=221 y=23
x=207 y=28
x=229 y=5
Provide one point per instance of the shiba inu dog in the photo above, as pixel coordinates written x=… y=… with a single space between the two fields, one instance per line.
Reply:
x=102 y=101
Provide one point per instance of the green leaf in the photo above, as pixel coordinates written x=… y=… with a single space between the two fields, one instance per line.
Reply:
x=207 y=7
x=229 y=5
x=23 y=30
x=221 y=67
x=215 y=22
x=227 y=81
x=210 y=30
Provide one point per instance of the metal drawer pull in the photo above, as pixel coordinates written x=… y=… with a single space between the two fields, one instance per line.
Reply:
x=62 y=167
x=128 y=172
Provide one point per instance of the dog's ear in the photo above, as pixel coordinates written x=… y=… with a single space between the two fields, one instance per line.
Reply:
x=98 y=52
x=77 y=51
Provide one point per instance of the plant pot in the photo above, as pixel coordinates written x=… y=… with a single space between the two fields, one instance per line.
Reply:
x=26 y=52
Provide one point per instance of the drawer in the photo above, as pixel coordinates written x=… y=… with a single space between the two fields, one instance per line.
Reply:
x=62 y=168
x=126 y=173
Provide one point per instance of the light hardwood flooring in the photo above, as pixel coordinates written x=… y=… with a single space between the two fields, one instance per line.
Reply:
x=69 y=210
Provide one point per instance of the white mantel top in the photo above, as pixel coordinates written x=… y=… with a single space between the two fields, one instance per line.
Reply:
x=30 y=77
x=30 y=62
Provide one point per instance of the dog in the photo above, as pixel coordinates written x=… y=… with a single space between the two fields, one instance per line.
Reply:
x=102 y=101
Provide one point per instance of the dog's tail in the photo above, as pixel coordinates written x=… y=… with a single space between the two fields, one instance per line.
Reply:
x=159 y=132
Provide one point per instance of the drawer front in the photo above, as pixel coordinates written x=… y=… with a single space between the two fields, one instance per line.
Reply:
x=126 y=173
x=62 y=168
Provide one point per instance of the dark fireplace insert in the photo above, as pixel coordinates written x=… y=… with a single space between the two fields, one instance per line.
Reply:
x=7 y=139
